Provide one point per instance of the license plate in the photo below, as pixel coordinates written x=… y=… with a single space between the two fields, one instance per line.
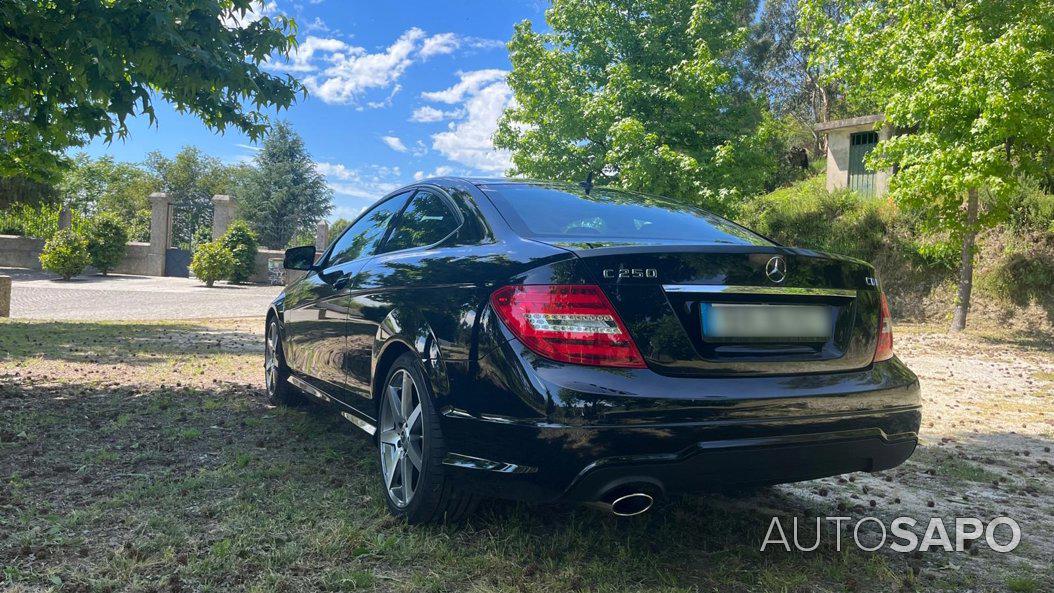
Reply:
x=764 y=322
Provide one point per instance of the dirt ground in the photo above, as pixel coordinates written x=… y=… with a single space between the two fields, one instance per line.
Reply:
x=143 y=457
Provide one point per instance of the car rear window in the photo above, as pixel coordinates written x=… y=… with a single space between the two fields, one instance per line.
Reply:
x=559 y=212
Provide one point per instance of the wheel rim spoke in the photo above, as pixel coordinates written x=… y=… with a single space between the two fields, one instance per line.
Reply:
x=406 y=395
x=413 y=451
x=407 y=478
x=414 y=418
x=389 y=478
x=394 y=405
x=389 y=437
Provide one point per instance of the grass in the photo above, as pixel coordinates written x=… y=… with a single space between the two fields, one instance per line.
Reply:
x=147 y=459
x=948 y=465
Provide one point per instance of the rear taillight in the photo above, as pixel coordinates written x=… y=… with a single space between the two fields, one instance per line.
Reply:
x=884 y=351
x=567 y=322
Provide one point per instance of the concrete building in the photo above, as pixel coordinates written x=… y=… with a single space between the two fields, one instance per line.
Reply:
x=848 y=142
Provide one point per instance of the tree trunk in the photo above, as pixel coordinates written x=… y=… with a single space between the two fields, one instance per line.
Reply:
x=962 y=301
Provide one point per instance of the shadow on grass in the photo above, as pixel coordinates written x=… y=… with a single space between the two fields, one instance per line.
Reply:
x=118 y=342
x=141 y=487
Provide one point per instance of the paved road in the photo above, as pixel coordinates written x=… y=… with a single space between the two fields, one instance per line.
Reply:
x=38 y=295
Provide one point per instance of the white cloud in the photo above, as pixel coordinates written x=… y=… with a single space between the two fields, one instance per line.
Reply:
x=440 y=171
x=480 y=43
x=484 y=95
x=443 y=43
x=341 y=73
x=387 y=102
x=394 y=143
x=470 y=84
x=316 y=25
x=369 y=183
x=345 y=212
x=354 y=71
x=427 y=113
x=302 y=59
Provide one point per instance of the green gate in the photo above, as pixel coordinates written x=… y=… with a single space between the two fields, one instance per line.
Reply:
x=860 y=178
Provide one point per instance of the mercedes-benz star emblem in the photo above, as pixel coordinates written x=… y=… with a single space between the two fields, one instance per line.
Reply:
x=776 y=269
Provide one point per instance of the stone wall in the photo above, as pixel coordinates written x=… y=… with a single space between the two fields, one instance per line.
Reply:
x=20 y=252
x=138 y=260
x=148 y=259
x=24 y=252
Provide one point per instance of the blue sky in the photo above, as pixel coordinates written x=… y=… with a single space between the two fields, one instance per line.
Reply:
x=397 y=91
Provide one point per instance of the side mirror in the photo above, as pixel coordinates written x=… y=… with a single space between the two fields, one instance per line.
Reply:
x=299 y=258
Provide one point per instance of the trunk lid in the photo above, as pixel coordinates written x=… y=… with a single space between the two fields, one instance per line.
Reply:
x=669 y=294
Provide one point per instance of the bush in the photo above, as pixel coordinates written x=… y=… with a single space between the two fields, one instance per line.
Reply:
x=40 y=221
x=107 y=239
x=212 y=262
x=65 y=253
x=241 y=241
x=807 y=215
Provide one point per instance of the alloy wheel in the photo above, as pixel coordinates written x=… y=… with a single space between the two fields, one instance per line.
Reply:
x=401 y=438
x=271 y=358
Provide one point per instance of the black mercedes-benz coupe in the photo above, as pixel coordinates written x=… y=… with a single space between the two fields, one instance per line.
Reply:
x=543 y=342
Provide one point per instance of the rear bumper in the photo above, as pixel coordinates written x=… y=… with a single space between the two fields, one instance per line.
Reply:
x=580 y=464
x=567 y=432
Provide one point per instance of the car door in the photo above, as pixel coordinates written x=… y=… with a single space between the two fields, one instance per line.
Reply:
x=316 y=313
x=389 y=278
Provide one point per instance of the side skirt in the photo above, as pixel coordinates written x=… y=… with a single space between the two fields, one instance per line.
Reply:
x=349 y=414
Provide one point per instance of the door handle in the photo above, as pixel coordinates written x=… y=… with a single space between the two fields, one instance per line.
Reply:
x=340 y=283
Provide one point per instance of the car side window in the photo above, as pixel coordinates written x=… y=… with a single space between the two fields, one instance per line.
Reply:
x=426 y=220
x=362 y=237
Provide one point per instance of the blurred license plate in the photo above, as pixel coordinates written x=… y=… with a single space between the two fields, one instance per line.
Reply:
x=801 y=322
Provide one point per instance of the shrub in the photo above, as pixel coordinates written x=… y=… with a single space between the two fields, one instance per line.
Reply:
x=241 y=241
x=212 y=262
x=107 y=239
x=65 y=253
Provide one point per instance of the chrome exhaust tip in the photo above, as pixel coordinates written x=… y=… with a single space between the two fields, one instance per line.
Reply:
x=632 y=504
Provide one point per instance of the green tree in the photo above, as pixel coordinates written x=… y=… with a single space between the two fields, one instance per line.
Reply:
x=970 y=82
x=644 y=94
x=241 y=241
x=778 y=68
x=283 y=194
x=104 y=185
x=65 y=253
x=73 y=70
x=107 y=240
x=191 y=178
x=212 y=262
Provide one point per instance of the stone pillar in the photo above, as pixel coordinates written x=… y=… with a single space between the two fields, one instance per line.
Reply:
x=222 y=214
x=321 y=236
x=5 y=296
x=65 y=218
x=160 y=233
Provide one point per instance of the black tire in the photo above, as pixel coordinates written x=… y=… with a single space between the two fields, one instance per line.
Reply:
x=279 y=391
x=435 y=499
